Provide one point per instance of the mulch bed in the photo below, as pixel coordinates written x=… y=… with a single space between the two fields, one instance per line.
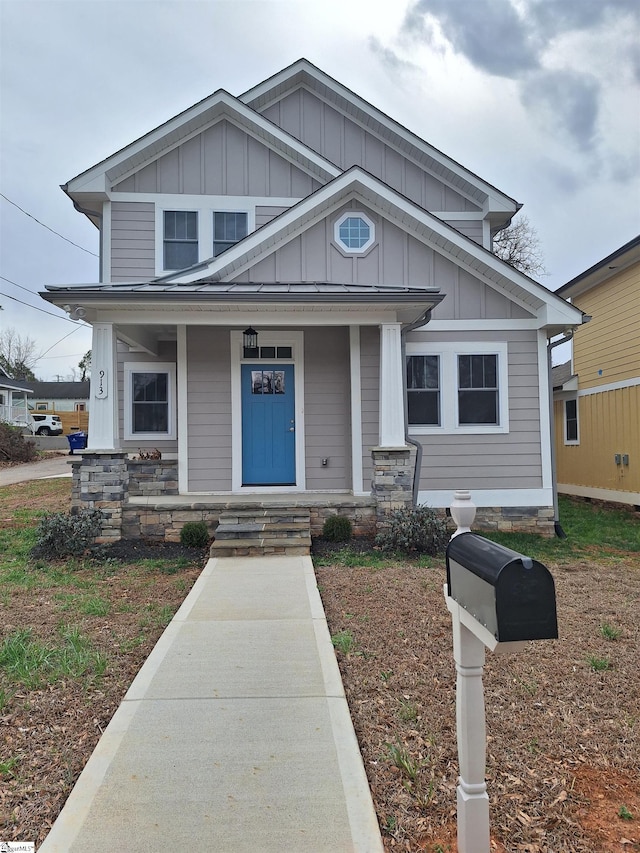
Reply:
x=563 y=739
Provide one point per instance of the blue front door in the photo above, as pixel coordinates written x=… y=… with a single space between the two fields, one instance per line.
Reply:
x=268 y=425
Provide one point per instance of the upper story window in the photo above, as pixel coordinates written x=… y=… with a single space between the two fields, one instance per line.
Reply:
x=180 y=239
x=229 y=227
x=354 y=232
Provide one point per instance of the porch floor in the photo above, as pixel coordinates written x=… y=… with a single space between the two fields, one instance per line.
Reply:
x=241 y=501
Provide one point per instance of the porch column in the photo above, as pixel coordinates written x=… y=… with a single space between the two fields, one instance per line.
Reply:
x=391 y=418
x=356 y=412
x=103 y=407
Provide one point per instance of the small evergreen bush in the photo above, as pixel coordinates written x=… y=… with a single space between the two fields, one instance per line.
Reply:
x=194 y=534
x=337 y=528
x=415 y=529
x=61 y=535
x=13 y=446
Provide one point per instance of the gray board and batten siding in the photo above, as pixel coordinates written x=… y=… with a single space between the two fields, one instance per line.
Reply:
x=222 y=160
x=346 y=143
x=493 y=461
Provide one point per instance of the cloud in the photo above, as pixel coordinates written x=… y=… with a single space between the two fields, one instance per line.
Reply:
x=531 y=42
x=389 y=57
x=566 y=99
x=490 y=33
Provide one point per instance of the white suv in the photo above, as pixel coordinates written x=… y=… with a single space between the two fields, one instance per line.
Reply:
x=45 y=424
x=41 y=424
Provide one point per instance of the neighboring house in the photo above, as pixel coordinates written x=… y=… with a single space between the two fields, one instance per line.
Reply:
x=14 y=403
x=69 y=400
x=597 y=396
x=59 y=396
x=361 y=257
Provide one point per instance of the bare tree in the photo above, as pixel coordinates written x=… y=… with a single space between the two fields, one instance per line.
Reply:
x=519 y=246
x=85 y=366
x=18 y=354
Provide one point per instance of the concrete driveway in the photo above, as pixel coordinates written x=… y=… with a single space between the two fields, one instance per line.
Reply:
x=53 y=466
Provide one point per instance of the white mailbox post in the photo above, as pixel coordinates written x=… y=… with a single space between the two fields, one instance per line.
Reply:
x=498 y=599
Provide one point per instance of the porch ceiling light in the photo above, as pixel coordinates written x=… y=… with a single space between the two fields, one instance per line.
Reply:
x=250 y=342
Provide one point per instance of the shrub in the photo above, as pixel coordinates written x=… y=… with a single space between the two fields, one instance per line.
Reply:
x=337 y=528
x=61 y=535
x=194 y=534
x=13 y=446
x=417 y=529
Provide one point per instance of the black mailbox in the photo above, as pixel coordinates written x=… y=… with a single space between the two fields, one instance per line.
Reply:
x=512 y=595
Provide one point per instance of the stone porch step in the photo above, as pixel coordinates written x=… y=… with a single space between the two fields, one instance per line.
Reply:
x=261 y=531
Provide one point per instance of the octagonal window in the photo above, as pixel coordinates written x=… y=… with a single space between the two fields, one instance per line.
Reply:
x=354 y=232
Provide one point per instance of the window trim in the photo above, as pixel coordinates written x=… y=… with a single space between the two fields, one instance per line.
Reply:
x=449 y=419
x=131 y=367
x=567 y=441
x=360 y=250
x=165 y=240
x=213 y=230
x=204 y=207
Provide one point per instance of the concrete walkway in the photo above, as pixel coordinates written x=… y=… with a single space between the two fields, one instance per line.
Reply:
x=235 y=735
x=53 y=466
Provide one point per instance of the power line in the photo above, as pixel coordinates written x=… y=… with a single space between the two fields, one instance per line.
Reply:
x=15 y=283
x=35 y=307
x=42 y=355
x=47 y=227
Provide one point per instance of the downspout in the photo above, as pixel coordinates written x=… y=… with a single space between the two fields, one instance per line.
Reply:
x=568 y=335
x=422 y=321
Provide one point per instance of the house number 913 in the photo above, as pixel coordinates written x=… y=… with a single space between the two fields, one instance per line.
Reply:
x=101 y=388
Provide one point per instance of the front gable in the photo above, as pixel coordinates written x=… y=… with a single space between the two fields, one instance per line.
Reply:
x=413 y=247
x=345 y=142
x=314 y=255
x=348 y=130
x=224 y=159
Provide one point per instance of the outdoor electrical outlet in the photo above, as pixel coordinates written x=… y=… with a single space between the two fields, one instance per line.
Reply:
x=618 y=459
x=325 y=462
x=625 y=458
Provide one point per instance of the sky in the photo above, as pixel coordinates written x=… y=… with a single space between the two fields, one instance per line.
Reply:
x=539 y=97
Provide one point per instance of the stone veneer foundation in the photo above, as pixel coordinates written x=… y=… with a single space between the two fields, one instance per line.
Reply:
x=123 y=489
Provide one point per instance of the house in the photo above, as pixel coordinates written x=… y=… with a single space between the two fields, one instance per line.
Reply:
x=69 y=400
x=597 y=394
x=276 y=269
x=14 y=405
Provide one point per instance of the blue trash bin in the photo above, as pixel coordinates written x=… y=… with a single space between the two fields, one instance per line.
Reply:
x=77 y=441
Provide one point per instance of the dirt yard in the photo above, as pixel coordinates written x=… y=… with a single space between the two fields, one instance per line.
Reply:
x=563 y=717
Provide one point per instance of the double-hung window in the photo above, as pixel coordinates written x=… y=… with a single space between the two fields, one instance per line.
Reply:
x=180 y=239
x=229 y=227
x=478 y=389
x=457 y=388
x=149 y=400
x=571 y=435
x=423 y=389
